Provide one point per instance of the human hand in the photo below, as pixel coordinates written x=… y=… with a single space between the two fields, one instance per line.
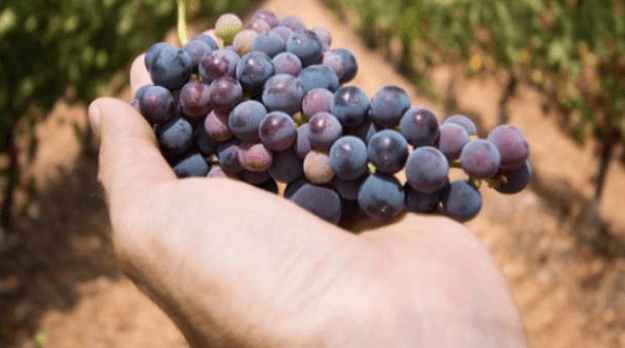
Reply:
x=235 y=266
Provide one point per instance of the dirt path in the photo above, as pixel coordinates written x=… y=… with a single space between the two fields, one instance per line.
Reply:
x=570 y=295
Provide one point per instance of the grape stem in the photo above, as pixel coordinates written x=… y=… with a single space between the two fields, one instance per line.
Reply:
x=182 y=21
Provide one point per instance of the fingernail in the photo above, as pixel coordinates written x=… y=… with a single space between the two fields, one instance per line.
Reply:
x=94 y=118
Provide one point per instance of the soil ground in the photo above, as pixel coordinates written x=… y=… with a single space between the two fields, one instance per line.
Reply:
x=60 y=286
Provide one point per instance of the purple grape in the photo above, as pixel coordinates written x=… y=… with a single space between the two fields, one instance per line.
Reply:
x=365 y=131
x=253 y=70
x=283 y=31
x=218 y=63
x=227 y=156
x=269 y=43
x=420 y=202
x=196 y=49
x=302 y=143
x=193 y=165
x=216 y=126
x=318 y=76
x=461 y=201
x=348 y=189
x=453 y=138
x=293 y=23
x=427 y=169
x=381 y=196
x=463 y=121
x=205 y=144
x=255 y=157
x=195 y=100
x=325 y=129
x=155 y=103
x=287 y=166
x=511 y=144
x=283 y=92
x=245 y=120
x=287 y=63
x=350 y=105
x=387 y=150
x=317 y=100
x=306 y=46
x=324 y=35
x=420 y=127
x=175 y=137
x=388 y=106
x=335 y=62
x=480 y=159
x=267 y=16
x=294 y=186
x=319 y=200
x=170 y=67
x=258 y=25
x=348 y=64
x=277 y=131
x=226 y=93
x=208 y=40
x=348 y=157
x=515 y=180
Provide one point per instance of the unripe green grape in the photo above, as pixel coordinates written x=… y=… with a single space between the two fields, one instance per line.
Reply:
x=317 y=167
x=228 y=25
x=244 y=41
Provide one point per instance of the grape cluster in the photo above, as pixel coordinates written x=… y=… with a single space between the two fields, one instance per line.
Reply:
x=270 y=102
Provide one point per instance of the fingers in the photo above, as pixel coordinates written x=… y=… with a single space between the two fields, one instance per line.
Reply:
x=130 y=160
x=139 y=74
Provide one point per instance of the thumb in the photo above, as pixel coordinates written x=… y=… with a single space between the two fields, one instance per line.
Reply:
x=129 y=156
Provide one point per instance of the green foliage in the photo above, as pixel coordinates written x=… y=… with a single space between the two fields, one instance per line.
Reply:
x=573 y=49
x=48 y=45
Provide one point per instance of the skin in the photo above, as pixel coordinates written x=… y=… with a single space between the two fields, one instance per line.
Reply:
x=235 y=266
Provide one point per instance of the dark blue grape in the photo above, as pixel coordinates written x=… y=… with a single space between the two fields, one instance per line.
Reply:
x=420 y=127
x=287 y=166
x=175 y=137
x=284 y=32
x=325 y=129
x=365 y=131
x=302 y=143
x=227 y=157
x=245 y=119
x=268 y=185
x=388 y=106
x=270 y=43
x=512 y=145
x=153 y=51
x=318 y=76
x=253 y=70
x=226 y=93
x=196 y=49
x=293 y=186
x=453 y=138
x=381 y=196
x=419 y=202
x=287 y=63
x=205 y=144
x=461 y=201
x=319 y=200
x=387 y=150
x=348 y=189
x=324 y=35
x=463 y=121
x=217 y=64
x=156 y=104
x=258 y=25
x=515 y=180
x=216 y=126
x=267 y=16
x=348 y=63
x=255 y=178
x=480 y=159
x=317 y=100
x=427 y=169
x=193 y=165
x=306 y=46
x=283 y=92
x=195 y=100
x=277 y=131
x=350 y=105
x=348 y=157
x=170 y=67
x=208 y=40
x=292 y=22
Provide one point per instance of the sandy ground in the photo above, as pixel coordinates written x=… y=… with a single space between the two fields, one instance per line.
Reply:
x=60 y=286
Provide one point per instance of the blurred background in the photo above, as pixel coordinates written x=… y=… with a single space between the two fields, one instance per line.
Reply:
x=554 y=68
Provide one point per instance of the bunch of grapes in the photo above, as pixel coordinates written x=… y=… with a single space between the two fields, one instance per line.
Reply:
x=269 y=102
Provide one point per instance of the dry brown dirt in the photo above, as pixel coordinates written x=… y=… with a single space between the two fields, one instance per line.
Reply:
x=60 y=286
